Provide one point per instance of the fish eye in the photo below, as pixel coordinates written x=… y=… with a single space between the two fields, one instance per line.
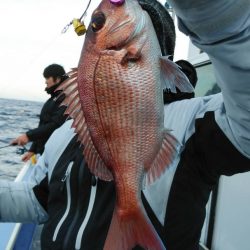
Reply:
x=98 y=21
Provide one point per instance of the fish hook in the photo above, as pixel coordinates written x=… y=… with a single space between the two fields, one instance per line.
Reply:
x=78 y=23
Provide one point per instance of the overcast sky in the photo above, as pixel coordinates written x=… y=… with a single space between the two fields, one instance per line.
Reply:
x=31 y=39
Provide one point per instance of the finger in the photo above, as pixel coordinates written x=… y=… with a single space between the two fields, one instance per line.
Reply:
x=21 y=142
x=14 y=142
x=24 y=158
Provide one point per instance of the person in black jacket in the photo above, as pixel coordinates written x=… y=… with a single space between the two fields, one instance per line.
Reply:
x=52 y=115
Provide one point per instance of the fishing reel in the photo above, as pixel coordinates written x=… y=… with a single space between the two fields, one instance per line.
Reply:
x=22 y=150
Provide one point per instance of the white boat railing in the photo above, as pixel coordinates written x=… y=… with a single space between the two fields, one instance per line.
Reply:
x=15 y=231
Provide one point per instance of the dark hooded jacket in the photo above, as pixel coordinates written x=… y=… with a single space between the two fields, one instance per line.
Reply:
x=51 y=117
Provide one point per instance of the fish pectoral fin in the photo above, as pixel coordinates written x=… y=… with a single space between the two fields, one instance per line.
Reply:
x=74 y=110
x=164 y=157
x=172 y=77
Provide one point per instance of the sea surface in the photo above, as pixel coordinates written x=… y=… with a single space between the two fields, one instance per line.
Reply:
x=16 y=117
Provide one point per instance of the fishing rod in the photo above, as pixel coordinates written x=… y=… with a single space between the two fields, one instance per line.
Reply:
x=7 y=175
x=9 y=145
x=19 y=151
x=6 y=146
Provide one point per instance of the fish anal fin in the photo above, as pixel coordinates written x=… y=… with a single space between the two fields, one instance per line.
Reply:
x=172 y=77
x=163 y=159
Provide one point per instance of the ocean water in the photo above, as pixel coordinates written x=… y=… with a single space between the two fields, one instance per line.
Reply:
x=16 y=117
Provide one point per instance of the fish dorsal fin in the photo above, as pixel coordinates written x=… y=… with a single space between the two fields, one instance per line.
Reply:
x=163 y=159
x=72 y=100
x=172 y=77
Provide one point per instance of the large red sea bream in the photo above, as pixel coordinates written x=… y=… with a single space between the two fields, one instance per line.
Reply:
x=116 y=99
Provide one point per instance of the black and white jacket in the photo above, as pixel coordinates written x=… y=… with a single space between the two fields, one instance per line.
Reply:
x=76 y=208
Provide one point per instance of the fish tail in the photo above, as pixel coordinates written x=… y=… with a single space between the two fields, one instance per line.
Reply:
x=126 y=232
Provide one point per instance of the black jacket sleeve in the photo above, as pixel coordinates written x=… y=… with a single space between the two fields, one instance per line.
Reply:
x=218 y=156
x=33 y=147
x=54 y=118
x=44 y=131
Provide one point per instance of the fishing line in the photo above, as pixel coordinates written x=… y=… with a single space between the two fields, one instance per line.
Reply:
x=11 y=176
x=78 y=24
x=85 y=12
x=55 y=39
x=6 y=146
